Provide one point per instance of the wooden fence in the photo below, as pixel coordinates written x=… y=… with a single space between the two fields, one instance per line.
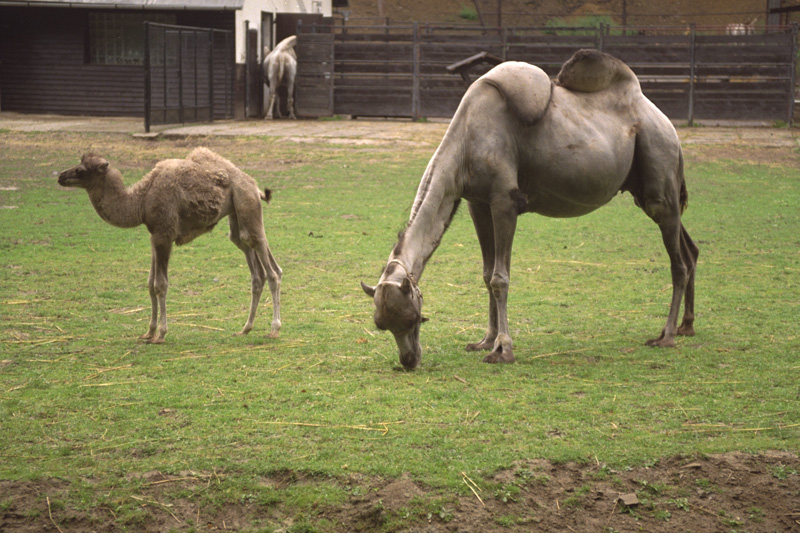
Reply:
x=401 y=70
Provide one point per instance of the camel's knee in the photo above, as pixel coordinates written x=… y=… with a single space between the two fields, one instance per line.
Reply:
x=499 y=283
x=680 y=274
x=159 y=283
x=487 y=278
x=160 y=286
x=257 y=283
x=249 y=239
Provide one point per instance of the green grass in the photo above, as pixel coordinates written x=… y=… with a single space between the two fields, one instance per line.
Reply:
x=83 y=401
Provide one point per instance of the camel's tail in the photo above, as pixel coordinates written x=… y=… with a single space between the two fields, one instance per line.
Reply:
x=266 y=195
x=684 y=194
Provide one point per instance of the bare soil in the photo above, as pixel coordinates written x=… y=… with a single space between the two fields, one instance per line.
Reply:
x=729 y=492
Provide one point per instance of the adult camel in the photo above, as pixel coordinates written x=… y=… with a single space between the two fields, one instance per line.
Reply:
x=280 y=67
x=519 y=143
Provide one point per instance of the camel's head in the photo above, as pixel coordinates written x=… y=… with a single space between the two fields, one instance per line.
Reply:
x=398 y=308
x=91 y=169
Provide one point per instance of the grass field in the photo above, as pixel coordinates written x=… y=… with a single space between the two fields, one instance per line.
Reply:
x=286 y=430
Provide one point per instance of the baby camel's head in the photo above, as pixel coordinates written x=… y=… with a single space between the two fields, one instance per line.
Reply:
x=91 y=169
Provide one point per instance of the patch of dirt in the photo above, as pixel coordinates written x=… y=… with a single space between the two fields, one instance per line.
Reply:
x=727 y=492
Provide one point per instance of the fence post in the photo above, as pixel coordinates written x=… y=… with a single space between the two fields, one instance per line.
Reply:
x=211 y=76
x=600 y=31
x=180 y=77
x=792 y=66
x=415 y=103
x=195 y=41
x=692 y=61
x=147 y=77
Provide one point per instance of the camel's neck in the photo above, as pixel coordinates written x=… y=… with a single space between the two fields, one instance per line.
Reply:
x=116 y=204
x=434 y=206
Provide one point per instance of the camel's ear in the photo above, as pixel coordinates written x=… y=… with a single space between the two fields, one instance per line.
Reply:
x=406 y=286
x=94 y=163
x=424 y=319
x=369 y=290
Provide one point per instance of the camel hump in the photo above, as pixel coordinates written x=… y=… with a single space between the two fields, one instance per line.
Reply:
x=526 y=88
x=590 y=71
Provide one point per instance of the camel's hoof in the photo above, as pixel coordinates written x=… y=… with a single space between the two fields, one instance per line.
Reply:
x=480 y=346
x=503 y=355
x=273 y=335
x=661 y=342
x=686 y=331
x=156 y=340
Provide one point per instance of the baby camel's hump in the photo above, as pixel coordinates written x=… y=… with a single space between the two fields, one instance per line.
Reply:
x=189 y=196
x=205 y=184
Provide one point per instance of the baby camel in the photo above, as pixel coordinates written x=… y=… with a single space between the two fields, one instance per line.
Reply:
x=178 y=200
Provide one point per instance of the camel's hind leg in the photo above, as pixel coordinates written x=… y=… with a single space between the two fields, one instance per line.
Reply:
x=274 y=275
x=257 y=273
x=690 y=252
x=271 y=105
x=661 y=198
x=482 y=220
x=290 y=76
x=262 y=264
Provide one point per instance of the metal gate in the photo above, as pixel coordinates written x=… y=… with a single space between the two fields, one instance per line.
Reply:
x=188 y=74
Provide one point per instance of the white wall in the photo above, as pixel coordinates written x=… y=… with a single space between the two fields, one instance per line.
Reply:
x=252 y=9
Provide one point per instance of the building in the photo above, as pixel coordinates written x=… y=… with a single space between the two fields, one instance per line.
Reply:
x=86 y=57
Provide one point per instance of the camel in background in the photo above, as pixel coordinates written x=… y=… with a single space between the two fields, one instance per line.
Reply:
x=519 y=143
x=748 y=28
x=179 y=200
x=280 y=66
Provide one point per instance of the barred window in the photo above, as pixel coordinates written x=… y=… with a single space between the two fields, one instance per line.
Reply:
x=118 y=38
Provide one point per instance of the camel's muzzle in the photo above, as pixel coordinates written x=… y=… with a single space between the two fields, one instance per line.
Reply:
x=409 y=348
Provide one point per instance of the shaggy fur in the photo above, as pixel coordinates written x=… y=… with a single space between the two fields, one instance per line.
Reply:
x=179 y=200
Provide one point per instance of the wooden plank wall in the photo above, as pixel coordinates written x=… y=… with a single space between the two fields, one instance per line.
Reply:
x=400 y=71
x=44 y=67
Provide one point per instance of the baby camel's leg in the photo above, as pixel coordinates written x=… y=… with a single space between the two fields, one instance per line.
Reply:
x=158 y=283
x=257 y=273
x=274 y=275
x=151 y=279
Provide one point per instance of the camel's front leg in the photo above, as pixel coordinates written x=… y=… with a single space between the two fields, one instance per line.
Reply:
x=504 y=215
x=482 y=220
x=151 y=279
x=159 y=283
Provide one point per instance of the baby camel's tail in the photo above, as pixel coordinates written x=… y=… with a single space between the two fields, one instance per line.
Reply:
x=266 y=195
